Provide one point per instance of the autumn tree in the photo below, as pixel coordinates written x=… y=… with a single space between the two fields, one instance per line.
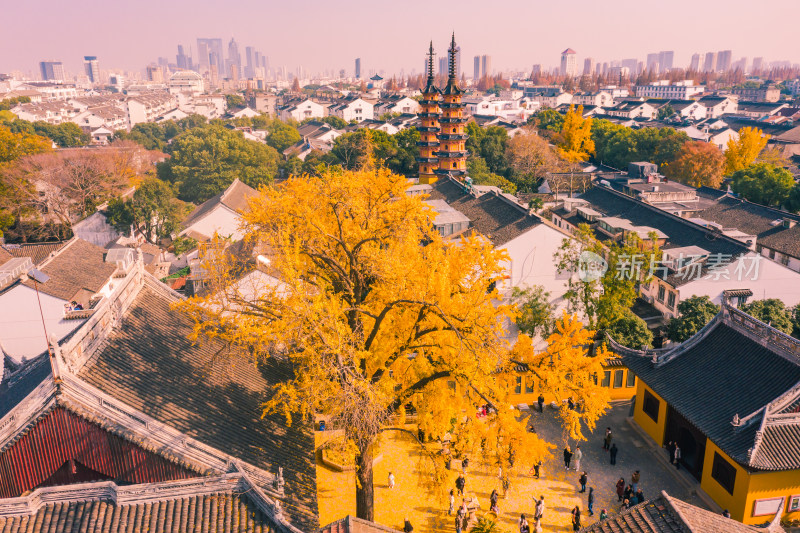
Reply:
x=530 y=158
x=15 y=145
x=763 y=183
x=575 y=143
x=697 y=164
x=742 y=152
x=375 y=311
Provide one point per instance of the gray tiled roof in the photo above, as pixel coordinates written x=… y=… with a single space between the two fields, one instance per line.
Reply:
x=729 y=372
x=493 y=217
x=78 y=266
x=212 y=513
x=38 y=252
x=149 y=364
x=234 y=197
x=666 y=514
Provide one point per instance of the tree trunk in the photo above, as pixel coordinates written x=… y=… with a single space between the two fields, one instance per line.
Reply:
x=364 y=490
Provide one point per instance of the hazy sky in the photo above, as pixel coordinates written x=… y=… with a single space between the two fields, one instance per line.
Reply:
x=319 y=34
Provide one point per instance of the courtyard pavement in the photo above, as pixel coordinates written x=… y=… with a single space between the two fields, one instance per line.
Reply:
x=400 y=454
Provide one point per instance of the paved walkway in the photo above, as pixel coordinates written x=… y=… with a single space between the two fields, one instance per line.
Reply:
x=409 y=498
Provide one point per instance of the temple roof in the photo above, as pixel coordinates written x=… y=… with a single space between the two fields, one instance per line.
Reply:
x=738 y=381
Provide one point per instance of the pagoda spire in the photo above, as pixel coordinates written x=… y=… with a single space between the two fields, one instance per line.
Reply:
x=452 y=151
x=428 y=114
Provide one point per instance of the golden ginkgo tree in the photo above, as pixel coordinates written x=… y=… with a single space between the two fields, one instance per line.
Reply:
x=375 y=311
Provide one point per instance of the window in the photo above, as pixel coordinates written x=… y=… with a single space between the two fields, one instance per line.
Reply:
x=606 y=379
x=671 y=300
x=518 y=386
x=661 y=291
x=529 y=385
x=723 y=473
x=631 y=379
x=650 y=405
x=618 y=376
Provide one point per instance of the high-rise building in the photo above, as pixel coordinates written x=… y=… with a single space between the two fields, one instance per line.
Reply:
x=52 y=70
x=181 y=60
x=458 y=61
x=452 y=152
x=588 y=66
x=724 y=60
x=358 y=68
x=476 y=70
x=697 y=59
x=632 y=65
x=486 y=66
x=209 y=52
x=569 y=63
x=665 y=59
x=92 y=68
x=758 y=64
x=428 y=114
x=249 y=52
x=155 y=73
x=442 y=66
x=652 y=63
x=234 y=63
x=710 y=64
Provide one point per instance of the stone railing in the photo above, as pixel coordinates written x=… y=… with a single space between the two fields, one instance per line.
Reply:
x=762 y=333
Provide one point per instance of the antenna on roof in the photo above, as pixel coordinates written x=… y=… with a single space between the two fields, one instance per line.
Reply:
x=40 y=277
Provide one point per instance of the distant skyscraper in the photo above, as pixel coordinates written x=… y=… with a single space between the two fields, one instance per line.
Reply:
x=181 y=60
x=52 y=70
x=724 y=60
x=665 y=59
x=443 y=66
x=476 y=70
x=458 y=61
x=588 y=65
x=652 y=63
x=632 y=65
x=208 y=48
x=569 y=63
x=249 y=52
x=486 y=66
x=92 y=68
x=695 y=63
x=710 y=64
x=758 y=64
x=155 y=73
x=536 y=70
x=234 y=63
x=358 y=68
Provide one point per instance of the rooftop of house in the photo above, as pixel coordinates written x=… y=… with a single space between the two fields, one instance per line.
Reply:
x=235 y=197
x=38 y=252
x=497 y=218
x=351 y=524
x=738 y=382
x=665 y=514
x=77 y=267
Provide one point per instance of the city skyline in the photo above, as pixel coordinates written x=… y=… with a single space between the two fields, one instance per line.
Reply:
x=517 y=44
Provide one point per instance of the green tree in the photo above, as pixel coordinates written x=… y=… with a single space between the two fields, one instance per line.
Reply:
x=65 y=135
x=665 y=111
x=631 y=331
x=234 y=101
x=478 y=170
x=695 y=312
x=282 y=135
x=205 y=160
x=405 y=159
x=8 y=103
x=535 y=311
x=489 y=144
x=764 y=184
x=547 y=119
x=773 y=312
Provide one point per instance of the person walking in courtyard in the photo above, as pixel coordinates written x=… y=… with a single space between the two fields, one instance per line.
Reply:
x=407 y=527
x=540 y=400
x=612 y=453
x=391 y=480
x=671 y=451
x=628 y=493
x=452 y=502
x=635 y=480
x=677 y=458
x=607 y=440
x=539 y=513
x=536 y=467
x=493 y=498
x=639 y=496
x=582 y=480
x=620 y=489
x=578 y=456
x=464 y=465
x=459 y=522
x=523 y=525
x=590 y=501
x=576 y=519
x=603 y=514
x=567 y=457
x=461 y=481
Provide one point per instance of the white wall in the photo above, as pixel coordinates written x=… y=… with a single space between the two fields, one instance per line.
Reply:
x=221 y=220
x=773 y=281
x=21 y=331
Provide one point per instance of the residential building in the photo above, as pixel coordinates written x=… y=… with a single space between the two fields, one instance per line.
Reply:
x=220 y=215
x=682 y=90
x=597 y=98
x=759 y=110
x=50 y=112
x=186 y=82
x=687 y=109
x=631 y=109
x=154 y=73
x=741 y=447
x=92 y=68
x=717 y=106
x=395 y=103
x=569 y=63
x=352 y=108
x=147 y=107
x=52 y=71
x=765 y=93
